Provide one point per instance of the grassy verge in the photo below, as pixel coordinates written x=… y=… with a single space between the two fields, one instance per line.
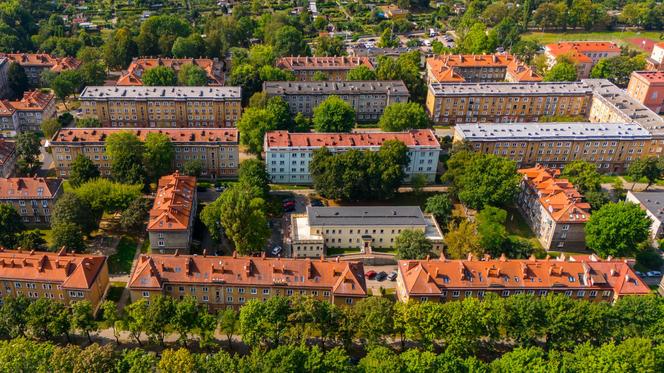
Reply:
x=120 y=262
x=341 y=251
x=115 y=291
x=620 y=37
x=609 y=179
x=517 y=227
x=288 y=187
x=386 y=250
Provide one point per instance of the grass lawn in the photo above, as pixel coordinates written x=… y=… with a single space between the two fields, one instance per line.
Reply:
x=516 y=226
x=115 y=292
x=47 y=235
x=288 y=187
x=340 y=251
x=609 y=179
x=120 y=262
x=619 y=37
x=390 y=250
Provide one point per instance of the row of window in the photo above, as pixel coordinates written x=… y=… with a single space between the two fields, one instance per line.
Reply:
x=505 y=293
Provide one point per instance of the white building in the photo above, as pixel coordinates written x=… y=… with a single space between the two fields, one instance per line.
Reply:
x=652 y=202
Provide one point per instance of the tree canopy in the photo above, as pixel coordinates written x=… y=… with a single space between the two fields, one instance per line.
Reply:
x=334 y=115
x=402 y=116
x=159 y=76
x=617 y=229
x=412 y=244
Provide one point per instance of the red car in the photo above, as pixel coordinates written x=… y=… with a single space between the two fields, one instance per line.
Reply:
x=289 y=203
x=370 y=274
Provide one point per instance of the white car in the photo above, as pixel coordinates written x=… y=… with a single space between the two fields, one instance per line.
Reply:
x=653 y=274
x=277 y=250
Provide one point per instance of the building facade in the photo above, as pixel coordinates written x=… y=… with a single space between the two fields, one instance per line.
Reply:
x=214 y=68
x=4 y=82
x=8 y=119
x=553 y=208
x=656 y=59
x=588 y=278
x=217 y=148
x=368 y=98
x=448 y=104
x=7 y=158
x=32 y=197
x=585 y=54
x=652 y=202
x=359 y=227
x=335 y=68
x=172 y=216
x=60 y=276
x=223 y=282
x=611 y=146
x=647 y=87
x=162 y=107
x=36 y=63
x=288 y=155
x=472 y=68
x=34 y=108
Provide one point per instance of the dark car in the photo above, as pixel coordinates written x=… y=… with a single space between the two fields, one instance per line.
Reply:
x=289 y=208
x=289 y=203
x=381 y=276
x=317 y=203
x=392 y=276
x=370 y=274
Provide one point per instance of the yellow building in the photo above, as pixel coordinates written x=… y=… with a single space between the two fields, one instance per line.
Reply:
x=59 y=276
x=162 y=107
x=229 y=282
x=217 y=148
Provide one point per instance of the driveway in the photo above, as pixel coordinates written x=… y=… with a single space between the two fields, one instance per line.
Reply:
x=281 y=225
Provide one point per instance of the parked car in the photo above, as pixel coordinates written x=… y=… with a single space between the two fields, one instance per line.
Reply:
x=638 y=273
x=653 y=273
x=277 y=250
x=370 y=274
x=381 y=276
x=392 y=276
x=219 y=189
x=289 y=208
x=317 y=203
x=289 y=202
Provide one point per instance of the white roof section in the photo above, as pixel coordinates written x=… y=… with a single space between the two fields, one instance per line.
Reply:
x=161 y=93
x=552 y=131
x=511 y=89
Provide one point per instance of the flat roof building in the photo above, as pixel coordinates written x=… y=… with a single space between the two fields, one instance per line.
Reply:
x=652 y=202
x=282 y=148
x=222 y=282
x=361 y=227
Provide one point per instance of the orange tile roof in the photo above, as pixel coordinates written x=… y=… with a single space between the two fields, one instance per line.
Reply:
x=7 y=151
x=6 y=109
x=56 y=64
x=340 y=277
x=558 y=196
x=410 y=138
x=443 y=66
x=28 y=187
x=132 y=77
x=173 y=204
x=577 y=50
x=72 y=271
x=33 y=101
x=177 y=135
x=652 y=77
x=431 y=277
x=323 y=63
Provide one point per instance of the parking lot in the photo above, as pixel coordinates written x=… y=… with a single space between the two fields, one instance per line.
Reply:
x=374 y=284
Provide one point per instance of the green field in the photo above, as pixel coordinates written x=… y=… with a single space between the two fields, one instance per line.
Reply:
x=619 y=37
x=120 y=262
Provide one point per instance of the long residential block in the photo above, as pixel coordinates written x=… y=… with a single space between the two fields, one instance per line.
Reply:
x=448 y=104
x=368 y=98
x=32 y=197
x=162 y=107
x=60 y=276
x=35 y=64
x=335 y=68
x=588 y=278
x=584 y=54
x=222 y=282
x=171 y=222
x=214 y=69
x=216 y=148
x=288 y=155
x=456 y=68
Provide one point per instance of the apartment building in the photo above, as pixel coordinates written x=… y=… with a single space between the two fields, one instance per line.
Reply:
x=368 y=98
x=585 y=54
x=612 y=146
x=162 y=107
x=288 y=155
x=223 y=282
x=581 y=277
x=335 y=68
x=359 y=227
x=448 y=104
x=32 y=197
x=656 y=59
x=652 y=202
x=8 y=119
x=4 y=82
x=217 y=148
x=473 y=68
x=553 y=208
x=34 y=108
x=60 y=276
x=214 y=68
x=647 y=87
x=7 y=158
x=36 y=63
x=171 y=222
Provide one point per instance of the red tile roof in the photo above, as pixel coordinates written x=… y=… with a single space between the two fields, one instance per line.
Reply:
x=33 y=101
x=6 y=109
x=341 y=278
x=28 y=188
x=323 y=63
x=134 y=72
x=173 y=204
x=577 y=50
x=180 y=135
x=652 y=77
x=365 y=139
x=431 y=277
x=7 y=151
x=445 y=68
x=56 y=64
x=72 y=271
x=558 y=196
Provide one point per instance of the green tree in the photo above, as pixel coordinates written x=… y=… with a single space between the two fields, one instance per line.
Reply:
x=491 y=230
x=462 y=239
x=159 y=76
x=617 y=229
x=288 y=41
x=264 y=323
x=562 y=71
x=476 y=40
x=229 y=323
x=278 y=108
x=82 y=318
x=119 y=49
x=50 y=127
x=261 y=55
x=406 y=68
x=246 y=76
x=645 y=168
x=133 y=218
x=186 y=317
x=192 y=46
x=387 y=39
x=441 y=207
x=253 y=125
x=319 y=76
x=583 y=175
x=158 y=316
x=27 y=153
x=82 y=169
x=69 y=236
x=45 y=319
x=158 y=34
x=361 y=73
x=111 y=317
x=329 y=46
x=176 y=361
x=92 y=73
x=487 y=180
x=193 y=167
x=11 y=225
x=17 y=80
x=14 y=316
x=253 y=174
x=66 y=83
x=126 y=152
x=70 y=208
x=412 y=244
x=136 y=360
x=381 y=359
x=192 y=75
x=402 y=116
x=135 y=321
x=108 y=196
x=374 y=319
x=31 y=240
x=334 y=115
x=618 y=69
x=158 y=155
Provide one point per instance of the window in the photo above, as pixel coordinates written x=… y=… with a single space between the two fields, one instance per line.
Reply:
x=254 y=291
x=568 y=293
x=543 y=292
x=468 y=293
x=230 y=290
x=205 y=298
x=580 y=293
x=229 y=299
x=326 y=293
x=266 y=291
x=506 y=293
x=289 y=292
x=146 y=294
x=349 y=300
x=455 y=294
x=593 y=293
